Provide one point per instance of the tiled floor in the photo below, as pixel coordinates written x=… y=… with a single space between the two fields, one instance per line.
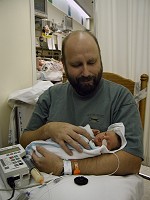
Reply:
x=146 y=170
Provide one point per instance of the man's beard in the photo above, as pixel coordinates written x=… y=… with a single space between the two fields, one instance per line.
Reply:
x=85 y=85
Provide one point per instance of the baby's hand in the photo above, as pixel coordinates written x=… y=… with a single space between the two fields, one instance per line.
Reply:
x=95 y=131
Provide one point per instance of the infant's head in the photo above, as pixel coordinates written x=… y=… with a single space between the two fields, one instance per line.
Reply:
x=109 y=139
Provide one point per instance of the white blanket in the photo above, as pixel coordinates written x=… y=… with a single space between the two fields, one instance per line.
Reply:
x=118 y=128
x=99 y=187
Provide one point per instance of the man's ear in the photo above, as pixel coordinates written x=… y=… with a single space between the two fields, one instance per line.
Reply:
x=64 y=73
x=64 y=66
x=63 y=63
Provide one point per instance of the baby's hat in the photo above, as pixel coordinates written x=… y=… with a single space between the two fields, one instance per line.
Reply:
x=119 y=129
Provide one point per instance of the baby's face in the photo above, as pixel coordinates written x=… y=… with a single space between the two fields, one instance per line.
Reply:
x=41 y=62
x=110 y=137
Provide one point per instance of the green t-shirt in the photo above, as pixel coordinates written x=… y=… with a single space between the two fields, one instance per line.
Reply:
x=110 y=103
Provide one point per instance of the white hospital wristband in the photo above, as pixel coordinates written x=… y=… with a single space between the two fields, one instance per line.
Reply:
x=67 y=167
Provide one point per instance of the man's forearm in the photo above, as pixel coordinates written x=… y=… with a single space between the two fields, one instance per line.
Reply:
x=30 y=136
x=108 y=163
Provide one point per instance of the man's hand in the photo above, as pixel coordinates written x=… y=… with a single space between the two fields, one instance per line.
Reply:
x=65 y=133
x=49 y=162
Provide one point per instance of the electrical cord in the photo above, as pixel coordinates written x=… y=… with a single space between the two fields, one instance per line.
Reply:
x=55 y=180
x=25 y=195
x=11 y=183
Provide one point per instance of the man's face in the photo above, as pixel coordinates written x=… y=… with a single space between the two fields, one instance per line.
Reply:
x=82 y=64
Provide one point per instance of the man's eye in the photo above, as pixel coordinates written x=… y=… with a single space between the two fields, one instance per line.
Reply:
x=91 y=62
x=76 y=64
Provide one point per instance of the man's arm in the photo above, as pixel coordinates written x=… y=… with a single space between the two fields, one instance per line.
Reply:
x=100 y=165
x=29 y=136
x=108 y=163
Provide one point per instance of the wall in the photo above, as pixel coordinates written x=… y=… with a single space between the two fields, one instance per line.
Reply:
x=16 y=56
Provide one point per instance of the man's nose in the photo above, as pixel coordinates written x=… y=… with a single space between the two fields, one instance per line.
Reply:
x=85 y=71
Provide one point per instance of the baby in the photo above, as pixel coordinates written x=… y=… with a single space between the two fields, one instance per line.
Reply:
x=103 y=142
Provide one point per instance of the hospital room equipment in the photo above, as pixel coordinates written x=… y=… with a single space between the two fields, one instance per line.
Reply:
x=34 y=172
x=12 y=166
x=16 y=167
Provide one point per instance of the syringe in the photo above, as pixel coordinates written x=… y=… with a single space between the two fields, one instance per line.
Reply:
x=34 y=171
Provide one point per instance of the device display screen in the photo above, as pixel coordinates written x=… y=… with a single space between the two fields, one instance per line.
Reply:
x=11 y=150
